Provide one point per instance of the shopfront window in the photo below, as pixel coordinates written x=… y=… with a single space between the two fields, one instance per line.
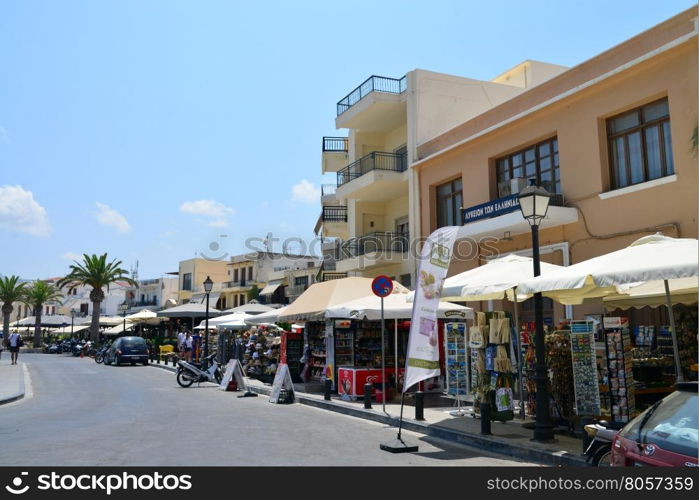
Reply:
x=640 y=146
x=449 y=202
x=538 y=162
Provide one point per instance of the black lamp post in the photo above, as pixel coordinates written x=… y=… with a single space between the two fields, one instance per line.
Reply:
x=208 y=285
x=72 y=320
x=123 y=307
x=534 y=203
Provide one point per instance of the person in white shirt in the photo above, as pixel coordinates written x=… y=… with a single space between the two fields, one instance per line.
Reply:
x=187 y=343
x=15 y=342
x=180 y=344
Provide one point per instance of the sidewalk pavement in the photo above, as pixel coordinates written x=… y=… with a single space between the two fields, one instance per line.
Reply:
x=11 y=380
x=509 y=438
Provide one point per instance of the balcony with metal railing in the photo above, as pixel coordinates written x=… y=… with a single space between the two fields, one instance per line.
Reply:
x=335 y=154
x=334 y=214
x=377 y=160
x=372 y=84
x=335 y=144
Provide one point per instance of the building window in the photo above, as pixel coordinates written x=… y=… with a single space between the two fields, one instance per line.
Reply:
x=538 y=162
x=449 y=203
x=250 y=273
x=640 y=147
x=301 y=281
x=242 y=300
x=187 y=281
x=235 y=275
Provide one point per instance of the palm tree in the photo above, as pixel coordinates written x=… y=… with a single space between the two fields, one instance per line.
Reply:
x=11 y=290
x=96 y=272
x=38 y=294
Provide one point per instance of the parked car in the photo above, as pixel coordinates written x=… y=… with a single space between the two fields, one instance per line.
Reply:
x=127 y=350
x=665 y=435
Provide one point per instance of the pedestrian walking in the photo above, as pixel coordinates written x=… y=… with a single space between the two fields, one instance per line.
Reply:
x=15 y=343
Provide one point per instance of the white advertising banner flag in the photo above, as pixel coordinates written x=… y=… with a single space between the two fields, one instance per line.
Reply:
x=423 y=342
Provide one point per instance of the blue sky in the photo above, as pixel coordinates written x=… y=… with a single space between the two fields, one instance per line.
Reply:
x=149 y=129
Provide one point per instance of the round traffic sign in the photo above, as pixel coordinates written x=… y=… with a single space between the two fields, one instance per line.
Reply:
x=382 y=286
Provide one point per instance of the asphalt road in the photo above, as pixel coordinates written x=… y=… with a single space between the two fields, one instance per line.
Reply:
x=82 y=413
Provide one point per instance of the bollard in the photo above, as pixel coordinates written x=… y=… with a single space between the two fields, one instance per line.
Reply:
x=367 y=396
x=328 y=389
x=419 y=405
x=485 y=418
x=157 y=359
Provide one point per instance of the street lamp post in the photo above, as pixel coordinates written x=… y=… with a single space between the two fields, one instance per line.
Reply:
x=72 y=320
x=208 y=285
x=123 y=307
x=534 y=203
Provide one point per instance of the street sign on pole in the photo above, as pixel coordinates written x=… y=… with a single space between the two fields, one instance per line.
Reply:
x=382 y=286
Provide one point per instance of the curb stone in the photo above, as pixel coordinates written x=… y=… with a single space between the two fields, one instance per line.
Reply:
x=20 y=393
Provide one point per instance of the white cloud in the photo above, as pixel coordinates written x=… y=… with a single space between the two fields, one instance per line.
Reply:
x=72 y=256
x=306 y=192
x=107 y=216
x=20 y=212
x=209 y=208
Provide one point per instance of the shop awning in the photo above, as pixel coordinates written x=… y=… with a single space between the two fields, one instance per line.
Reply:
x=67 y=330
x=266 y=317
x=396 y=306
x=312 y=304
x=271 y=287
x=116 y=330
x=200 y=298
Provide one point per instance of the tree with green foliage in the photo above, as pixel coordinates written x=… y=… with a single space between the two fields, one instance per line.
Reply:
x=38 y=294
x=94 y=271
x=11 y=290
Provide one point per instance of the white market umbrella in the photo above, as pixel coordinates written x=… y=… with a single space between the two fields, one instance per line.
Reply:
x=145 y=316
x=235 y=318
x=266 y=317
x=396 y=306
x=116 y=330
x=66 y=329
x=250 y=308
x=648 y=259
x=652 y=294
x=190 y=310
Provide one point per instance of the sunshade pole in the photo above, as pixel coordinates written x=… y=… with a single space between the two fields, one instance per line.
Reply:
x=519 y=355
x=675 y=349
x=383 y=359
x=395 y=348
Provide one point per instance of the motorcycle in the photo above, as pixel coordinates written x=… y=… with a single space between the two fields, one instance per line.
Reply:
x=77 y=349
x=99 y=355
x=188 y=373
x=600 y=435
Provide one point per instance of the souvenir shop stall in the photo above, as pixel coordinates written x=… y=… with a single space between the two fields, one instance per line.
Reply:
x=261 y=355
x=355 y=328
x=492 y=364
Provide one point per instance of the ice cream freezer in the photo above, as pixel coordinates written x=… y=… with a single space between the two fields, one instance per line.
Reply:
x=351 y=380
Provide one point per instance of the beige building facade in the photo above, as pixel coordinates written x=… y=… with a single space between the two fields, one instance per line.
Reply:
x=372 y=209
x=610 y=137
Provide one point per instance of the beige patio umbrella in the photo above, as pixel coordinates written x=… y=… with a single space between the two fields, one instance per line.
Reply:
x=312 y=304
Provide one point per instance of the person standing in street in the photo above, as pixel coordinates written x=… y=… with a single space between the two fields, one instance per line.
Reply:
x=15 y=343
x=187 y=344
x=180 y=344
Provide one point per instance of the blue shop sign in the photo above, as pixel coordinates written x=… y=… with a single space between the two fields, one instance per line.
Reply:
x=491 y=209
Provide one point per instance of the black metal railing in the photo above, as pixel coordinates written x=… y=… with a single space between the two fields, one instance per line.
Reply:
x=141 y=303
x=231 y=284
x=333 y=276
x=335 y=145
x=327 y=189
x=381 y=242
x=377 y=160
x=372 y=84
x=334 y=214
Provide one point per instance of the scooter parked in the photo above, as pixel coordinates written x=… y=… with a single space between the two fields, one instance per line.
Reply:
x=601 y=434
x=99 y=355
x=209 y=371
